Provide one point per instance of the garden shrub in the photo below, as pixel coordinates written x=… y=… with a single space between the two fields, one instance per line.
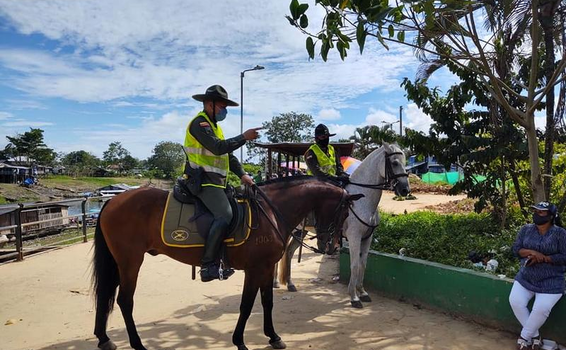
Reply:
x=447 y=239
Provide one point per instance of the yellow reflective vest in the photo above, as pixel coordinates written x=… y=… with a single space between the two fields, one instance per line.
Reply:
x=327 y=162
x=215 y=166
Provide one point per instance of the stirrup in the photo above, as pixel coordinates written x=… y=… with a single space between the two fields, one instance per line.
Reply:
x=224 y=273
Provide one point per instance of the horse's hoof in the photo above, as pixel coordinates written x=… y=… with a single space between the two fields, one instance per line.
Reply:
x=357 y=304
x=365 y=298
x=242 y=347
x=278 y=344
x=275 y=284
x=291 y=288
x=109 y=345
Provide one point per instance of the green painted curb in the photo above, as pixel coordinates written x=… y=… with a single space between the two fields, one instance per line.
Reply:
x=476 y=296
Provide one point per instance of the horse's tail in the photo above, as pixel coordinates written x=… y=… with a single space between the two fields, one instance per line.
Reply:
x=284 y=266
x=105 y=276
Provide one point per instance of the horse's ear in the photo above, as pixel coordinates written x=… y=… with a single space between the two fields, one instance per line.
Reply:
x=355 y=197
x=387 y=146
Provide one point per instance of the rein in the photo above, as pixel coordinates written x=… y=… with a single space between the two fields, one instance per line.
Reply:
x=284 y=222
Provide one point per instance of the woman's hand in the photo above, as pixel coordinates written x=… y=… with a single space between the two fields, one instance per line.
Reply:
x=536 y=258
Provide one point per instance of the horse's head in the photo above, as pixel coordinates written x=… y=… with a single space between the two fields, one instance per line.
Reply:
x=394 y=171
x=330 y=216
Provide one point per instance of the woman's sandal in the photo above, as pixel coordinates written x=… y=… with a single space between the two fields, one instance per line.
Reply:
x=537 y=343
x=522 y=344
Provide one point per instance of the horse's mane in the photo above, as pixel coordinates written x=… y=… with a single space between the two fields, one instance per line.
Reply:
x=290 y=180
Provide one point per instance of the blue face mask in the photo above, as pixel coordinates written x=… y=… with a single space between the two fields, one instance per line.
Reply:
x=220 y=116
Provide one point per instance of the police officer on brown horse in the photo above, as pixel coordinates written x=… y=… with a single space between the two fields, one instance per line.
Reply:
x=209 y=160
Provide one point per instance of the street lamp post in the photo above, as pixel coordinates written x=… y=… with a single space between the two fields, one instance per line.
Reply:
x=390 y=124
x=257 y=67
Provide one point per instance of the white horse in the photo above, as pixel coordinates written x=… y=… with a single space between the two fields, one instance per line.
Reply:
x=384 y=168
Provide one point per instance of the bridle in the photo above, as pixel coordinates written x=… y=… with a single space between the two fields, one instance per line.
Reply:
x=338 y=213
x=390 y=182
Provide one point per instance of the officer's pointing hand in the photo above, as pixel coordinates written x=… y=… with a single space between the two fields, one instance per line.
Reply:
x=252 y=134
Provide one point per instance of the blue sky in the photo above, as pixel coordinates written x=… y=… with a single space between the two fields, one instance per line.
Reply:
x=93 y=72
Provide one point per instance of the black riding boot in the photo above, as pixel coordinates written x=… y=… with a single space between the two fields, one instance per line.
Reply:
x=210 y=269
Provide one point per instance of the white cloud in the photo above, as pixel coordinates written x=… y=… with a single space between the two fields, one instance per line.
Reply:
x=139 y=140
x=378 y=116
x=328 y=114
x=416 y=119
x=173 y=49
x=5 y=115
x=26 y=123
x=118 y=51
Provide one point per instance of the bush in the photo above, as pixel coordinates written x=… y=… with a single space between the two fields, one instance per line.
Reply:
x=447 y=239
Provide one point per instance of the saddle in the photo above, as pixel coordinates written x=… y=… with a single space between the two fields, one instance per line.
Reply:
x=186 y=220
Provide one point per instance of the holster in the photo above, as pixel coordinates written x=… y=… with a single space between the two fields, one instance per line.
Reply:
x=194 y=179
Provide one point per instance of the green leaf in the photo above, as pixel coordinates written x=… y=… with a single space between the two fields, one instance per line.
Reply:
x=324 y=50
x=294 y=8
x=302 y=9
x=391 y=30
x=344 y=4
x=291 y=21
x=401 y=36
x=341 y=50
x=361 y=35
x=380 y=38
x=310 y=47
x=304 y=21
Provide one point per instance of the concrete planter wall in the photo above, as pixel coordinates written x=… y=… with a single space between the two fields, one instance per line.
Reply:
x=472 y=295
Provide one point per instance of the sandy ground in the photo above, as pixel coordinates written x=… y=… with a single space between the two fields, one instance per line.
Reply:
x=387 y=203
x=47 y=299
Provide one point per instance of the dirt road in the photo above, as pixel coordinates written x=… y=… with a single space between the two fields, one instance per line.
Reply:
x=47 y=299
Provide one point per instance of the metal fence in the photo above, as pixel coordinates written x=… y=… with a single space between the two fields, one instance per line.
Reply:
x=19 y=226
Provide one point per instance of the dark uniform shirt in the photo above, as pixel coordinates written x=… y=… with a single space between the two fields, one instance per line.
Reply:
x=314 y=167
x=202 y=131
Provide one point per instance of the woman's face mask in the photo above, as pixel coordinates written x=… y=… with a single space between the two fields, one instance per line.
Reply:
x=540 y=219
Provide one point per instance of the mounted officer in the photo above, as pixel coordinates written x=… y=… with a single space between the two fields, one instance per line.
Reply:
x=209 y=160
x=321 y=158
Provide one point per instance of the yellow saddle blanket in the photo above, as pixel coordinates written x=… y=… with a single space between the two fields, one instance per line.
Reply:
x=180 y=227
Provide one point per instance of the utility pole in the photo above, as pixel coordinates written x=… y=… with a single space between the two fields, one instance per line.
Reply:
x=400 y=120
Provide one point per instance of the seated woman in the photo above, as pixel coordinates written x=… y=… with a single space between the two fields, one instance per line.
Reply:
x=541 y=246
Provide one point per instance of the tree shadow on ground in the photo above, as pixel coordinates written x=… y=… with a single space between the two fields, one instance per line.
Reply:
x=319 y=316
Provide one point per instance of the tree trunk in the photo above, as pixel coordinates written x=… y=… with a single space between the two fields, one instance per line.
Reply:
x=546 y=19
x=536 y=180
x=517 y=186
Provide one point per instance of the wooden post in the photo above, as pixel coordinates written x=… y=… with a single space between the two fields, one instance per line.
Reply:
x=278 y=163
x=19 y=248
x=269 y=165
x=287 y=161
x=83 y=206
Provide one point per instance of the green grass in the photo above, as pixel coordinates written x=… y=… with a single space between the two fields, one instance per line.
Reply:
x=3 y=200
x=69 y=181
x=67 y=237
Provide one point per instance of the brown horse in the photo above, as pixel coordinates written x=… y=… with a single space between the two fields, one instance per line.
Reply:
x=129 y=226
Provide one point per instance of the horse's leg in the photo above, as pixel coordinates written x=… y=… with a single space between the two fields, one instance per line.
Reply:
x=268 y=329
x=251 y=286
x=129 y=270
x=355 y=246
x=364 y=296
x=275 y=281
x=290 y=251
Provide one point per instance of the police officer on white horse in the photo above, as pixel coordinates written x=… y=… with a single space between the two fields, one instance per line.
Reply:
x=209 y=160
x=321 y=158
